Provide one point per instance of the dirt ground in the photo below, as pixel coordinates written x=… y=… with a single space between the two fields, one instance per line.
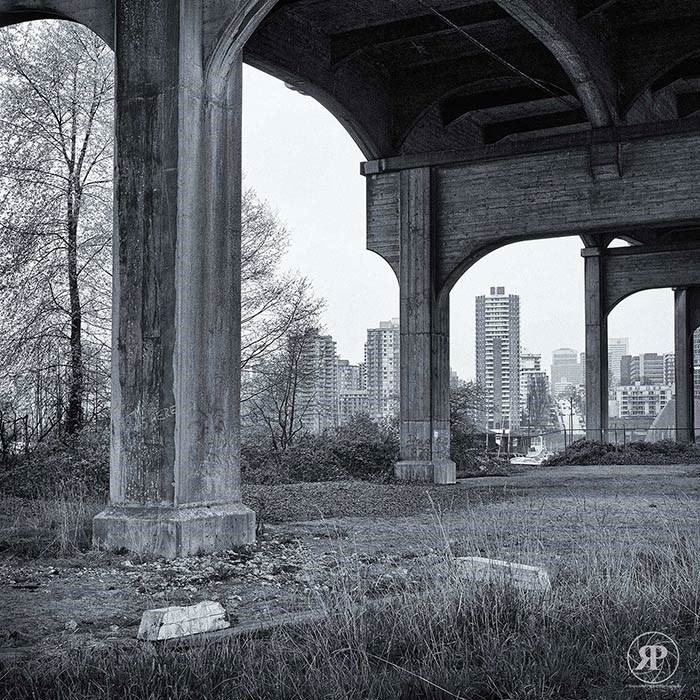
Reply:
x=546 y=516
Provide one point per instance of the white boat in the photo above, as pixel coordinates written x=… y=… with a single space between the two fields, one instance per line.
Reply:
x=535 y=456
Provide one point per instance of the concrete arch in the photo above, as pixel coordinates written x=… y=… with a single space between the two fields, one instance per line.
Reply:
x=365 y=142
x=685 y=46
x=465 y=131
x=97 y=17
x=589 y=240
x=479 y=253
x=228 y=49
x=392 y=265
x=635 y=269
x=577 y=51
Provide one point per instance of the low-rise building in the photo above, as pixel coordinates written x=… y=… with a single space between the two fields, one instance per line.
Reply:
x=352 y=403
x=642 y=399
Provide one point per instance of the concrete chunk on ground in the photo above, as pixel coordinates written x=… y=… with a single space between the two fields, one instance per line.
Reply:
x=523 y=576
x=169 y=623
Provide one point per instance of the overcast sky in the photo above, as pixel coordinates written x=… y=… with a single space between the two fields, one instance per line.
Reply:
x=300 y=159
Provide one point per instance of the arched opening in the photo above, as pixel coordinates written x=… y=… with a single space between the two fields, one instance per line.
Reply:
x=89 y=15
x=530 y=294
x=302 y=161
x=641 y=374
x=619 y=243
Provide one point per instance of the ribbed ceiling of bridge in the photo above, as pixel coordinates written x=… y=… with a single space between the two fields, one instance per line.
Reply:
x=410 y=76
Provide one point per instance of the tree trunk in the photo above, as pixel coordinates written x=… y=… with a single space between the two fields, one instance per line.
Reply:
x=76 y=387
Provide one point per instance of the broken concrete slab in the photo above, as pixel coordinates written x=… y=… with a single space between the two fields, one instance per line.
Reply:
x=523 y=576
x=169 y=623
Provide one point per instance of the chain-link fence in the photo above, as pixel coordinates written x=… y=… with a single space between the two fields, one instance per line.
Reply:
x=553 y=441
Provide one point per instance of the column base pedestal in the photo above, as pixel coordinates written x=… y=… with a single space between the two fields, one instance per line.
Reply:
x=180 y=531
x=439 y=471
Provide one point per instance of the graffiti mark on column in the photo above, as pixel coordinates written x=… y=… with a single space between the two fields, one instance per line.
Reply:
x=418 y=448
x=441 y=443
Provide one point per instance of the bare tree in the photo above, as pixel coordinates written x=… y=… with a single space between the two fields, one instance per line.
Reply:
x=281 y=400
x=274 y=302
x=466 y=402
x=56 y=117
x=538 y=403
x=56 y=89
x=279 y=312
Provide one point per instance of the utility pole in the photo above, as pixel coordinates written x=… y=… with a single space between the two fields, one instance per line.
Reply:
x=571 y=416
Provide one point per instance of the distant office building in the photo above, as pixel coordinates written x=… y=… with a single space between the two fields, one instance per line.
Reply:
x=626 y=371
x=382 y=370
x=530 y=370
x=670 y=369
x=352 y=403
x=617 y=347
x=645 y=369
x=567 y=371
x=317 y=397
x=352 y=394
x=498 y=357
x=639 y=400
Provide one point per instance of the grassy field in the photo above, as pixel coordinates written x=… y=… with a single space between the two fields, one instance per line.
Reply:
x=621 y=547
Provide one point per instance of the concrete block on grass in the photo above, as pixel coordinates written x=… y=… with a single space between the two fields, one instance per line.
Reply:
x=169 y=623
x=523 y=576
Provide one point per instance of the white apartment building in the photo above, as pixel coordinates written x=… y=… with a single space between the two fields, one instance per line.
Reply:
x=382 y=370
x=639 y=400
x=498 y=357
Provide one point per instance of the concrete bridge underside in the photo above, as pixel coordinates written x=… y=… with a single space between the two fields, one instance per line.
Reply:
x=483 y=123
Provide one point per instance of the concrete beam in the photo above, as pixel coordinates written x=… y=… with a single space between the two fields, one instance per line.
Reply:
x=581 y=53
x=490 y=197
x=417 y=89
x=425 y=342
x=640 y=267
x=347 y=44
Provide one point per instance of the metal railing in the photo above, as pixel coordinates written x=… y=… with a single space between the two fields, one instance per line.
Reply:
x=619 y=435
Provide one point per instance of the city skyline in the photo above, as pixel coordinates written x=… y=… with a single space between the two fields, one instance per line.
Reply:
x=333 y=390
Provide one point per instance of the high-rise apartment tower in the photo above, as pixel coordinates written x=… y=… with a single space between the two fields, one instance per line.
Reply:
x=498 y=357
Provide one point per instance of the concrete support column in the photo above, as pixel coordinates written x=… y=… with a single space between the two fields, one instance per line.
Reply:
x=686 y=320
x=425 y=341
x=596 y=345
x=175 y=467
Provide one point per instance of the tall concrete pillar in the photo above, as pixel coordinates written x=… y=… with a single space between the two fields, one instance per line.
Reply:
x=425 y=341
x=686 y=321
x=175 y=468
x=596 y=345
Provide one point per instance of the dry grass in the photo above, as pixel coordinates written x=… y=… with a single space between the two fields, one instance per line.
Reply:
x=619 y=568
x=31 y=529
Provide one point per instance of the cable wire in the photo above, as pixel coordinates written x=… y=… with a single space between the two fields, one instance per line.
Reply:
x=563 y=98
